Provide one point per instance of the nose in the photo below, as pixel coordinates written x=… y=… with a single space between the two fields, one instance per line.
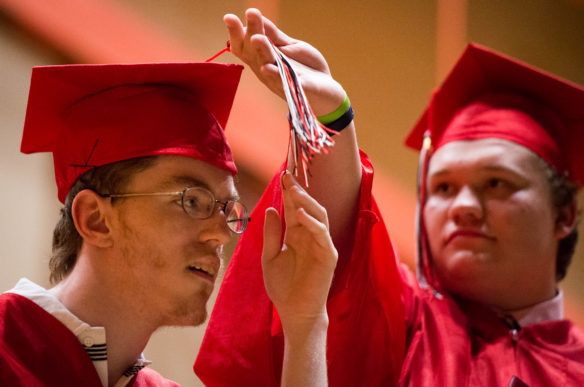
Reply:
x=215 y=229
x=467 y=207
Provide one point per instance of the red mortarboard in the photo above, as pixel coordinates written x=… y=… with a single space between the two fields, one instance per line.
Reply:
x=484 y=96
x=92 y=115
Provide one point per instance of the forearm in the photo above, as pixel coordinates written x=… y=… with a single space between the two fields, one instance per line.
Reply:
x=335 y=182
x=305 y=354
x=336 y=176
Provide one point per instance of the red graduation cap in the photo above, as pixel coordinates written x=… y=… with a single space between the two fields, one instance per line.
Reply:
x=491 y=95
x=92 y=115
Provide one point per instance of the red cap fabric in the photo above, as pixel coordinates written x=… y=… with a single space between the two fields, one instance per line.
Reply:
x=92 y=115
x=491 y=95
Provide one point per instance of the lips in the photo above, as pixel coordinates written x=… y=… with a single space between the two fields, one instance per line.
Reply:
x=467 y=234
x=207 y=267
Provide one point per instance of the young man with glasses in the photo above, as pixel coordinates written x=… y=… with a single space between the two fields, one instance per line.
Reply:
x=147 y=181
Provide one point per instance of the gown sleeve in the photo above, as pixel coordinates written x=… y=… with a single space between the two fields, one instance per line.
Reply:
x=243 y=344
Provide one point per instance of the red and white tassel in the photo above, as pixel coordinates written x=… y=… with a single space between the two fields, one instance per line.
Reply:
x=307 y=135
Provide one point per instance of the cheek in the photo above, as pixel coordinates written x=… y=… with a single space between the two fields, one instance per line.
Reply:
x=145 y=234
x=435 y=215
x=158 y=235
x=522 y=222
x=160 y=223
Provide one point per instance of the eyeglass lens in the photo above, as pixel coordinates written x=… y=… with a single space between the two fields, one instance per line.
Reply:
x=200 y=204
x=236 y=217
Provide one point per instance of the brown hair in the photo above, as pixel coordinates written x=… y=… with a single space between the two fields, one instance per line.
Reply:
x=564 y=193
x=110 y=178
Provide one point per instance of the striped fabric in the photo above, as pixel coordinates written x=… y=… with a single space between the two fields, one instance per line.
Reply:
x=131 y=371
x=97 y=352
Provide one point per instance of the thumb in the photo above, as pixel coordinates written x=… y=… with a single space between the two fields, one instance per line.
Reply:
x=272 y=235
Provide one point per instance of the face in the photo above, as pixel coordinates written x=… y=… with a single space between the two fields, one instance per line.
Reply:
x=491 y=224
x=167 y=261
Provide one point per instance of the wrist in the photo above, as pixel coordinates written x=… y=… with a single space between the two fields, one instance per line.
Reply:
x=300 y=328
x=304 y=361
x=340 y=118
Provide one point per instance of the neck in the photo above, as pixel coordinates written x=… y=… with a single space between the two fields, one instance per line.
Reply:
x=88 y=295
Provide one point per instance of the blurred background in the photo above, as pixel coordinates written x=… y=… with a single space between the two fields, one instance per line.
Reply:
x=388 y=54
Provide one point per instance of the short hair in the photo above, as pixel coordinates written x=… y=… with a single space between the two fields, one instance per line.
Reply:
x=563 y=193
x=109 y=178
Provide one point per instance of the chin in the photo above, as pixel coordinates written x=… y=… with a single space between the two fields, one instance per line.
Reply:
x=463 y=276
x=188 y=315
x=197 y=318
x=469 y=285
x=465 y=264
x=188 y=321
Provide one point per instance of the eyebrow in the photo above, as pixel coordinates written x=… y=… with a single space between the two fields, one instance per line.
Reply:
x=488 y=168
x=189 y=181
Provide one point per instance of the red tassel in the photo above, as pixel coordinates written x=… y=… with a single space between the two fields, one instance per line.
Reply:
x=226 y=49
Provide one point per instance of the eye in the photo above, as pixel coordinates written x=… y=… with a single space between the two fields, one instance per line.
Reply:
x=498 y=184
x=495 y=183
x=499 y=187
x=191 y=201
x=442 y=188
x=198 y=202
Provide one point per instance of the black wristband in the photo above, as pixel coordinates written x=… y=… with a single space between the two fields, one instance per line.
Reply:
x=343 y=121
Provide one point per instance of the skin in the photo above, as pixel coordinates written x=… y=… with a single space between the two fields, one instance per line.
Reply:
x=297 y=276
x=134 y=272
x=305 y=332
x=341 y=167
x=492 y=228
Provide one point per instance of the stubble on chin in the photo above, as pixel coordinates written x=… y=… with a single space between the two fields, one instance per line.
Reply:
x=189 y=315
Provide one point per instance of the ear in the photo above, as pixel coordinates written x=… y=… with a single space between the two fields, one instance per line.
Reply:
x=566 y=220
x=89 y=212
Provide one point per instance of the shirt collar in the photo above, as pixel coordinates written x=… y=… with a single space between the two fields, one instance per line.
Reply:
x=93 y=339
x=552 y=309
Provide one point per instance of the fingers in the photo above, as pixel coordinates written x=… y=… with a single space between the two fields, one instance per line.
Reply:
x=306 y=56
x=259 y=24
x=317 y=229
x=275 y=34
x=254 y=22
x=300 y=51
x=249 y=43
x=261 y=45
x=295 y=197
x=272 y=234
x=236 y=32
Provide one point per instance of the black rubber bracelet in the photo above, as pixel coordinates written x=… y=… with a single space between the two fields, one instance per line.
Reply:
x=343 y=121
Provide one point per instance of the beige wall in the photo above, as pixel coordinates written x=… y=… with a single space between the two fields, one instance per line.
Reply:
x=28 y=194
x=382 y=51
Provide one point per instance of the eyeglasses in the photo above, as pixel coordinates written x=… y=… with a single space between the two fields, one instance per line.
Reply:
x=200 y=203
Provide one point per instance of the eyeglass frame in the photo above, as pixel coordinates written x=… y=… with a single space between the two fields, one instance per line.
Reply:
x=245 y=220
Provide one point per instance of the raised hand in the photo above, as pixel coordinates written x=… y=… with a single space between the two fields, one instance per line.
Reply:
x=251 y=45
x=341 y=166
x=298 y=274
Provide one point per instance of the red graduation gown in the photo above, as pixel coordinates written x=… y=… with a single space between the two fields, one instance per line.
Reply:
x=36 y=349
x=243 y=344
x=448 y=342
x=457 y=343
